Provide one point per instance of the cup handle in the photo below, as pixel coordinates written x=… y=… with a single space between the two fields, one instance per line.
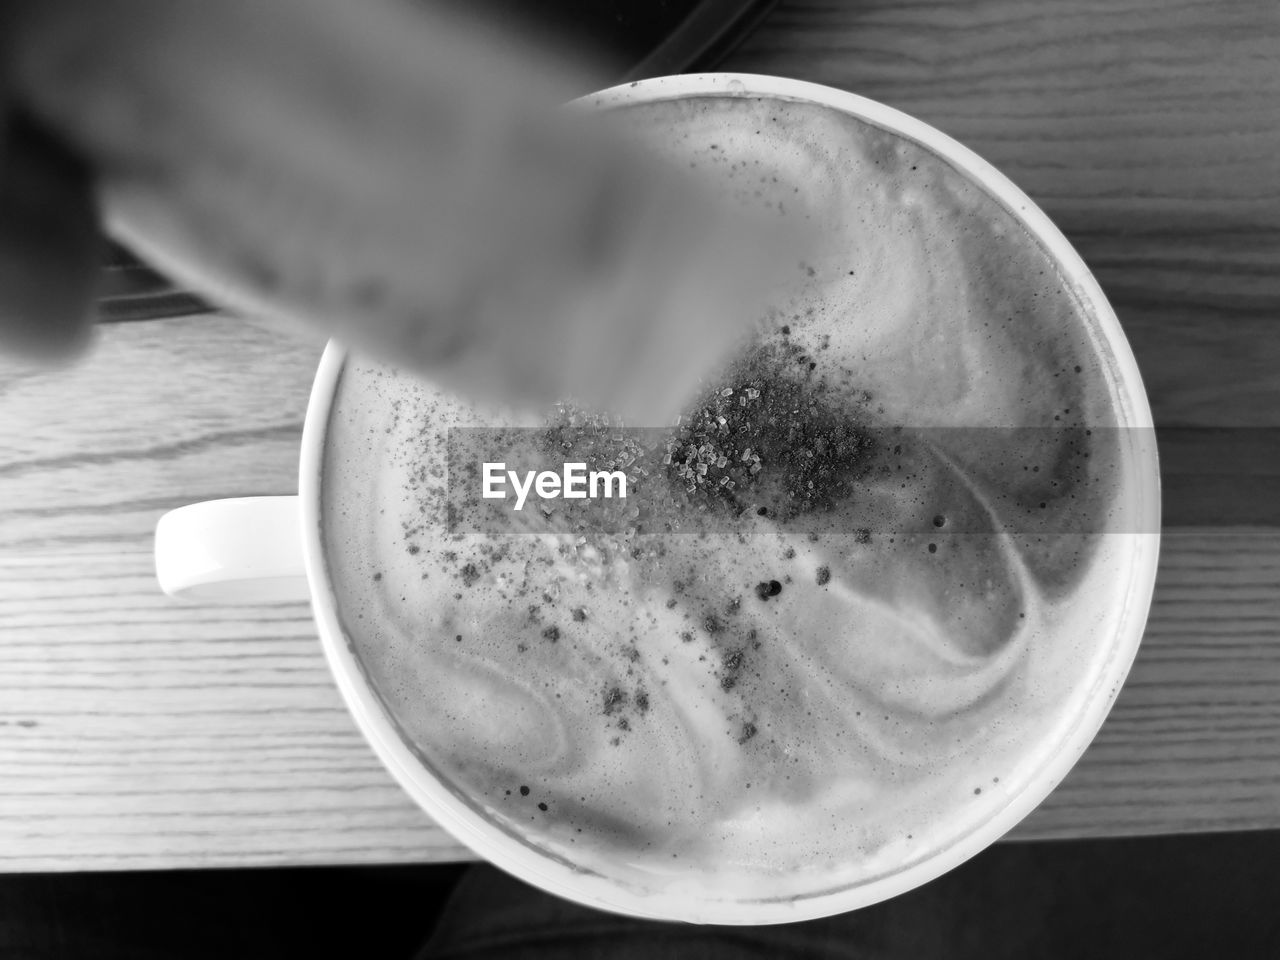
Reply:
x=242 y=550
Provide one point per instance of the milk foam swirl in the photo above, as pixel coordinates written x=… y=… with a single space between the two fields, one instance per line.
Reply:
x=638 y=705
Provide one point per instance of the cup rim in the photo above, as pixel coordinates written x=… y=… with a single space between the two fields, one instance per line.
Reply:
x=488 y=840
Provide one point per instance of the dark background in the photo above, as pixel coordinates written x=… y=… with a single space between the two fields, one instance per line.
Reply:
x=1191 y=896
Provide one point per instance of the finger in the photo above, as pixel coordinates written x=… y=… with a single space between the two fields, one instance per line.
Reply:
x=50 y=247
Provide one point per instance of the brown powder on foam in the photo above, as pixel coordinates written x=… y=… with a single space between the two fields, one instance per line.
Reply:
x=771 y=440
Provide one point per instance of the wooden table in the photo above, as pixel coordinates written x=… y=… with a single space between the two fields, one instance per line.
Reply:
x=135 y=732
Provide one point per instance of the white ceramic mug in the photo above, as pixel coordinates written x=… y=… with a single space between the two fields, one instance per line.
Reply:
x=269 y=549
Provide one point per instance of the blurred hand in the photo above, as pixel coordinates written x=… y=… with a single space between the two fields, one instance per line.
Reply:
x=50 y=249
x=399 y=178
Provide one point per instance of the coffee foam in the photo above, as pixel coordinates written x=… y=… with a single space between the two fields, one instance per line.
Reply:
x=669 y=725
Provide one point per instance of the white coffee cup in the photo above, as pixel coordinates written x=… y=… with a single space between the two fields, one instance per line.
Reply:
x=270 y=549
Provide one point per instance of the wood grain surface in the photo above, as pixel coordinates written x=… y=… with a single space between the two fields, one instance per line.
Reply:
x=137 y=732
